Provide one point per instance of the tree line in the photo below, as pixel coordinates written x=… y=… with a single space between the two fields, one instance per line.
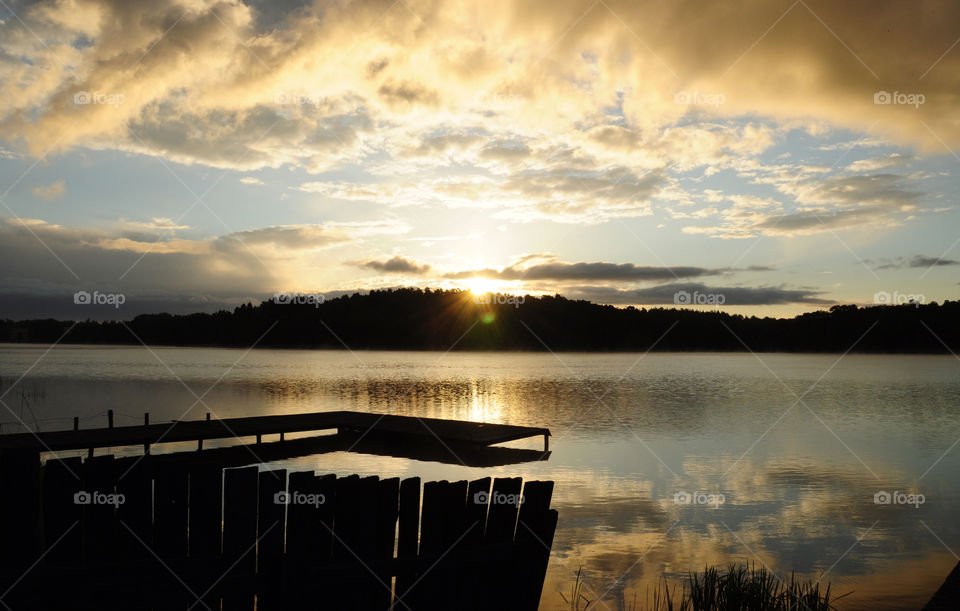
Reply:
x=417 y=319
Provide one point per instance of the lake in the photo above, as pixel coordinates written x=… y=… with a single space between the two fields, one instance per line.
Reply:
x=780 y=456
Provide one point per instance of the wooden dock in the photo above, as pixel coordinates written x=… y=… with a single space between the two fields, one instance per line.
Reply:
x=142 y=532
x=373 y=426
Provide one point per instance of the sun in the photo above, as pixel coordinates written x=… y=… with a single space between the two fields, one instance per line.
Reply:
x=479 y=286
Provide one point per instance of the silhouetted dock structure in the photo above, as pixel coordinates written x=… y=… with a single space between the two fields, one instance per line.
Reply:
x=135 y=533
x=197 y=530
x=375 y=426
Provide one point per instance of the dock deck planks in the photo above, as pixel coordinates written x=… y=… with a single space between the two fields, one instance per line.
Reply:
x=460 y=432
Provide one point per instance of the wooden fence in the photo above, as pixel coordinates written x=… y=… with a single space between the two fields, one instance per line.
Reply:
x=181 y=534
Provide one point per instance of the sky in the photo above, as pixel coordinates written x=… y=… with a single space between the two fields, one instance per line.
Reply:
x=764 y=158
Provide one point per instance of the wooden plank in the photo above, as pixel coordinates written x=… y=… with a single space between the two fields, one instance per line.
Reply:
x=385 y=536
x=409 y=518
x=536 y=503
x=271 y=519
x=455 y=526
x=307 y=569
x=19 y=514
x=432 y=532
x=135 y=483
x=355 y=543
x=388 y=509
x=504 y=505
x=474 y=575
x=271 y=525
x=534 y=538
x=135 y=575
x=170 y=536
x=408 y=532
x=99 y=514
x=61 y=516
x=431 y=526
x=206 y=509
x=531 y=560
x=478 y=502
x=326 y=514
x=301 y=525
x=170 y=511
x=239 y=538
x=444 y=580
x=300 y=538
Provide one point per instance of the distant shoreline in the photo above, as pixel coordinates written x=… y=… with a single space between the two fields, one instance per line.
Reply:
x=418 y=320
x=291 y=348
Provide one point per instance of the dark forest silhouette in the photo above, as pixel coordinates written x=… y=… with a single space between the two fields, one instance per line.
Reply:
x=410 y=318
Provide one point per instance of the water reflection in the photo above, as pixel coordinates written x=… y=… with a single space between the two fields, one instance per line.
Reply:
x=798 y=480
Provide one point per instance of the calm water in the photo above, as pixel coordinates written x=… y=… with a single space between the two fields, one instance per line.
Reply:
x=798 y=479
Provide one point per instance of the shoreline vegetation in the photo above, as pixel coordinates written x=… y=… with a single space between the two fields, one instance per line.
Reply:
x=737 y=587
x=416 y=319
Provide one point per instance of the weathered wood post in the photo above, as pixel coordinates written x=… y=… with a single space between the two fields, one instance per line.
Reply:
x=146 y=422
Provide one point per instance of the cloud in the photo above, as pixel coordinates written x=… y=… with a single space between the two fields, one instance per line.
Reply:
x=820 y=205
x=396 y=265
x=407 y=94
x=567 y=195
x=917 y=261
x=666 y=294
x=230 y=266
x=154 y=224
x=50 y=192
x=251 y=180
x=615 y=272
x=505 y=151
x=877 y=163
x=215 y=76
x=439 y=144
